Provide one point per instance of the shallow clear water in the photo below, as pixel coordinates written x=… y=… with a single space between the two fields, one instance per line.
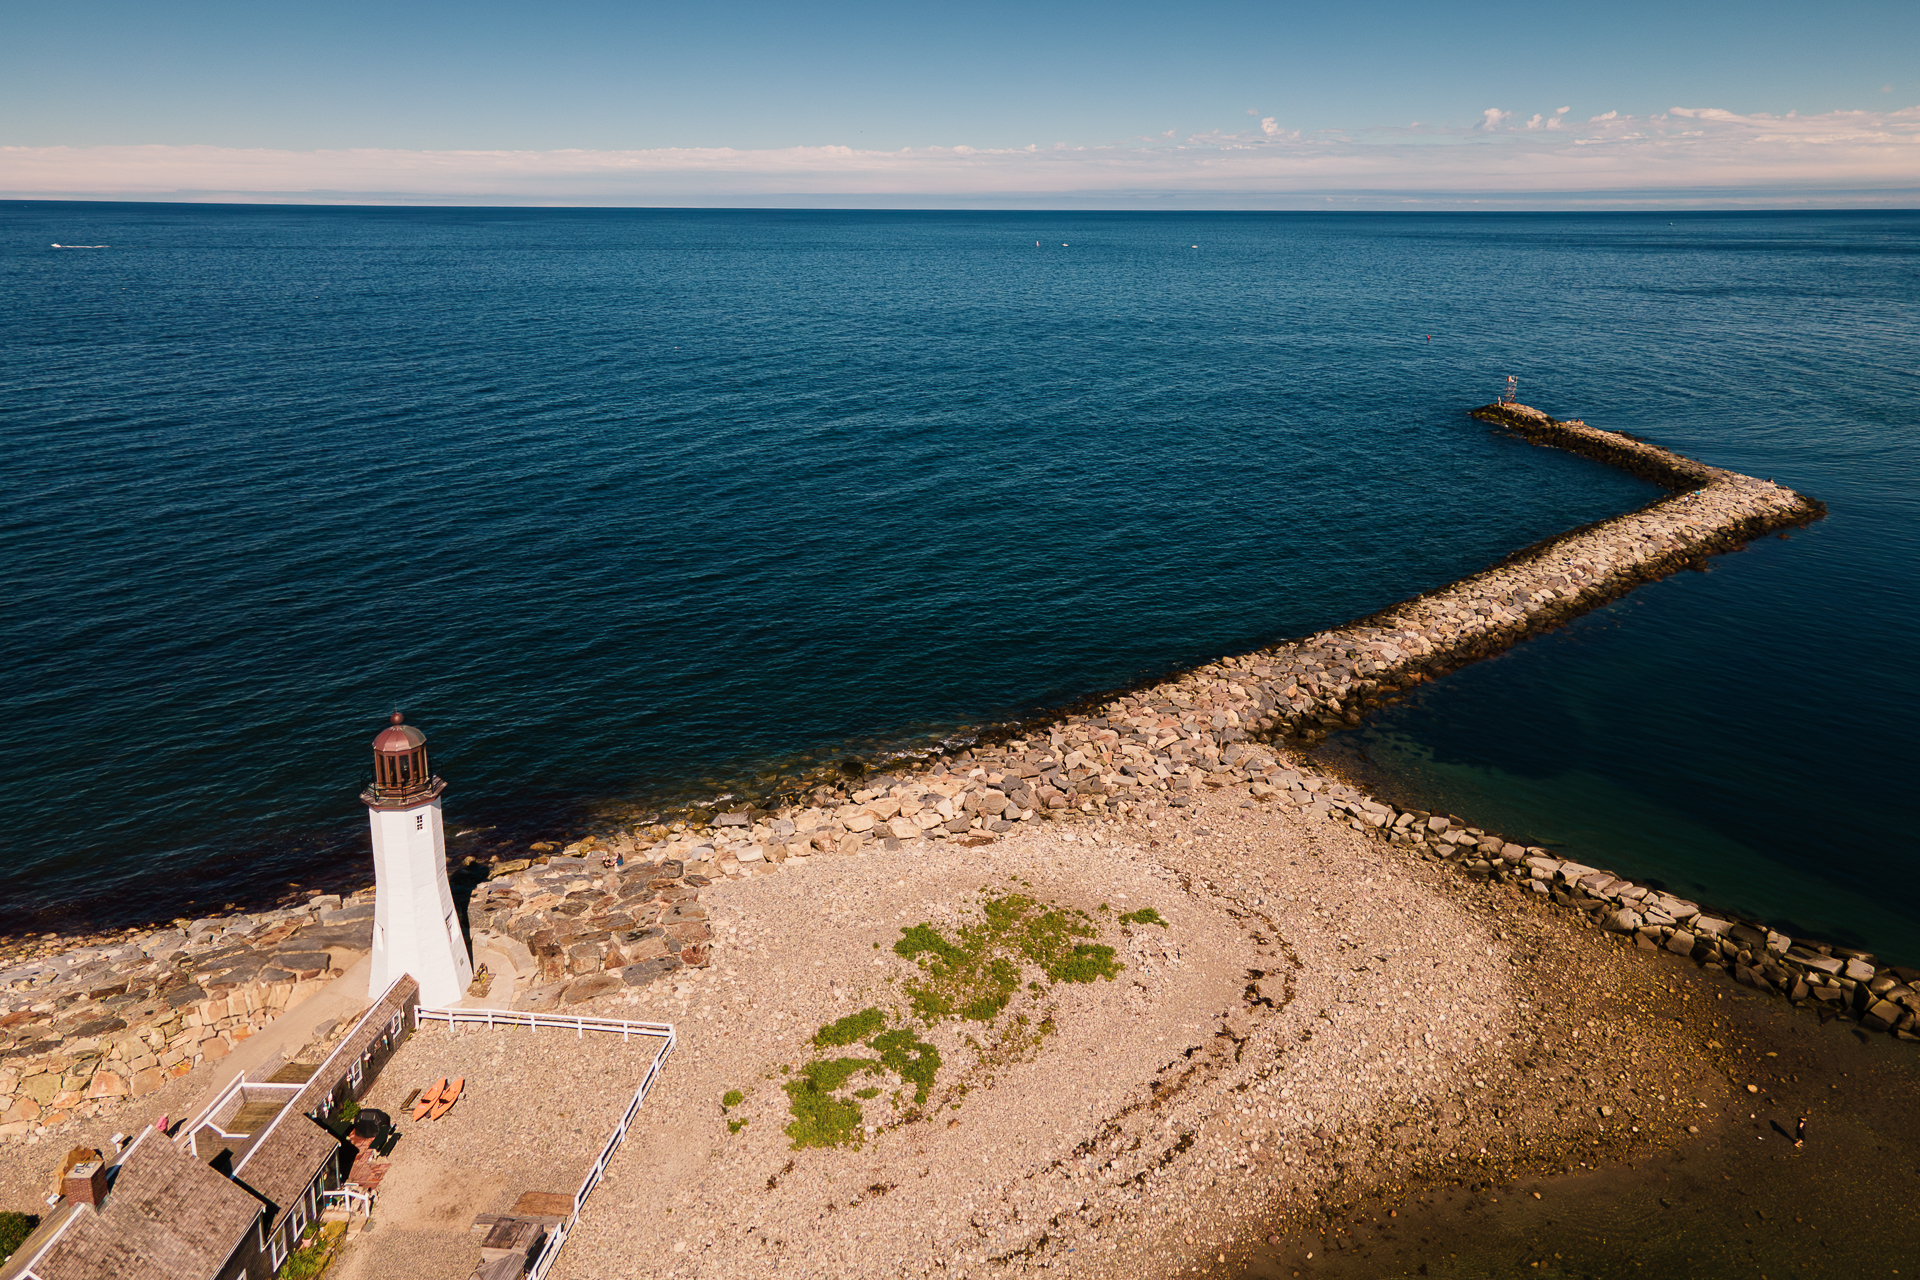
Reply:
x=631 y=508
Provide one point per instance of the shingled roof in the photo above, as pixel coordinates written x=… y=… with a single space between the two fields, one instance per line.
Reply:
x=376 y=1022
x=171 y=1214
x=285 y=1159
x=167 y=1215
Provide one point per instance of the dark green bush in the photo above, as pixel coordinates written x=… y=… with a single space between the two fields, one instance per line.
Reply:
x=14 y=1230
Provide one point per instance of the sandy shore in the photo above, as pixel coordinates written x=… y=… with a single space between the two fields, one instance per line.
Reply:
x=1324 y=1016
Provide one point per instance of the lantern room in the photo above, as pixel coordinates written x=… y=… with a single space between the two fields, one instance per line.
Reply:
x=401 y=776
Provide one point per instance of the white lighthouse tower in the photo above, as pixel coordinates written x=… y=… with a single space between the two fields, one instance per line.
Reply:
x=415 y=928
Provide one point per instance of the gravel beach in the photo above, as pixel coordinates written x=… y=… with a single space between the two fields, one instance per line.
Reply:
x=1321 y=1014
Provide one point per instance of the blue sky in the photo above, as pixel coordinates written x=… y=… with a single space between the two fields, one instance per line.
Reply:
x=81 y=85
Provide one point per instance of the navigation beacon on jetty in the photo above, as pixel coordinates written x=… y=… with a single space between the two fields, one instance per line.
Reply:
x=415 y=927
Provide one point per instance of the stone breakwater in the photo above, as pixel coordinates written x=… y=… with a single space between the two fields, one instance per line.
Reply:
x=1302 y=689
x=88 y=1026
x=1160 y=745
x=1838 y=980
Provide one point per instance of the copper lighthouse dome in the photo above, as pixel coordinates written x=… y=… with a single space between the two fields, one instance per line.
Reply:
x=402 y=776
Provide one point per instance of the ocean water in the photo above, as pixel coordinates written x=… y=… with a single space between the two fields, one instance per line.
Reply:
x=633 y=510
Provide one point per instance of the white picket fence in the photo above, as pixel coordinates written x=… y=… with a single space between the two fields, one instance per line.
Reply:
x=661 y=1031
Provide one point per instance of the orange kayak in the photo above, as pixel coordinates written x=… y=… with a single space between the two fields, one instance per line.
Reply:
x=428 y=1099
x=448 y=1096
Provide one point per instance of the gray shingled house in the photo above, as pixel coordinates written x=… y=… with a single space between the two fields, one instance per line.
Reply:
x=228 y=1194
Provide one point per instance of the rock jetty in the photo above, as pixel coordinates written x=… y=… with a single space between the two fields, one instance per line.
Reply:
x=1226 y=725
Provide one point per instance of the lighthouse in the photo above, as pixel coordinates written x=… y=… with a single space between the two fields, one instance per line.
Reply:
x=415 y=928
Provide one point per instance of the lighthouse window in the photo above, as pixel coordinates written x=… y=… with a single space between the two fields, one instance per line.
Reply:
x=419 y=822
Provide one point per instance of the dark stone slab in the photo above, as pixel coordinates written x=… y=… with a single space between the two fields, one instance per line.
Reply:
x=238 y=975
x=639 y=975
x=98 y=1027
x=594 y=984
x=356 y=935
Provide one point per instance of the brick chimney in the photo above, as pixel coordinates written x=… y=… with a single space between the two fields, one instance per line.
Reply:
x=84 y=1180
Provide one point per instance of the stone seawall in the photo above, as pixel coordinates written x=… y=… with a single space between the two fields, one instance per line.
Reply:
x=87 y=1026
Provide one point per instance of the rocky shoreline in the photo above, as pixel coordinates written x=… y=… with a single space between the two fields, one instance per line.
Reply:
x=100 y=1021
x=88 y=1026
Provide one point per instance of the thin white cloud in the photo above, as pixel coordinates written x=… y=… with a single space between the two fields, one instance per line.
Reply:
x=1688 y=153
x=1493 y=118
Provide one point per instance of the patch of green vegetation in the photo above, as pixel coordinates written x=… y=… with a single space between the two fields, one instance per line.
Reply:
x=827 y=1074
x=976 y=977
x=349 y=1111
x=735 y=1126
x=928 y=1004
x=922 y=938
x=1049 y=941
x=911 y=1058
x=1145 y=915
x=315 y=1250
x=851 y=1029
x=819 y=1118
x=1087 y=963
x=731 y=1098
x=973 y=974
x=14 y=1230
